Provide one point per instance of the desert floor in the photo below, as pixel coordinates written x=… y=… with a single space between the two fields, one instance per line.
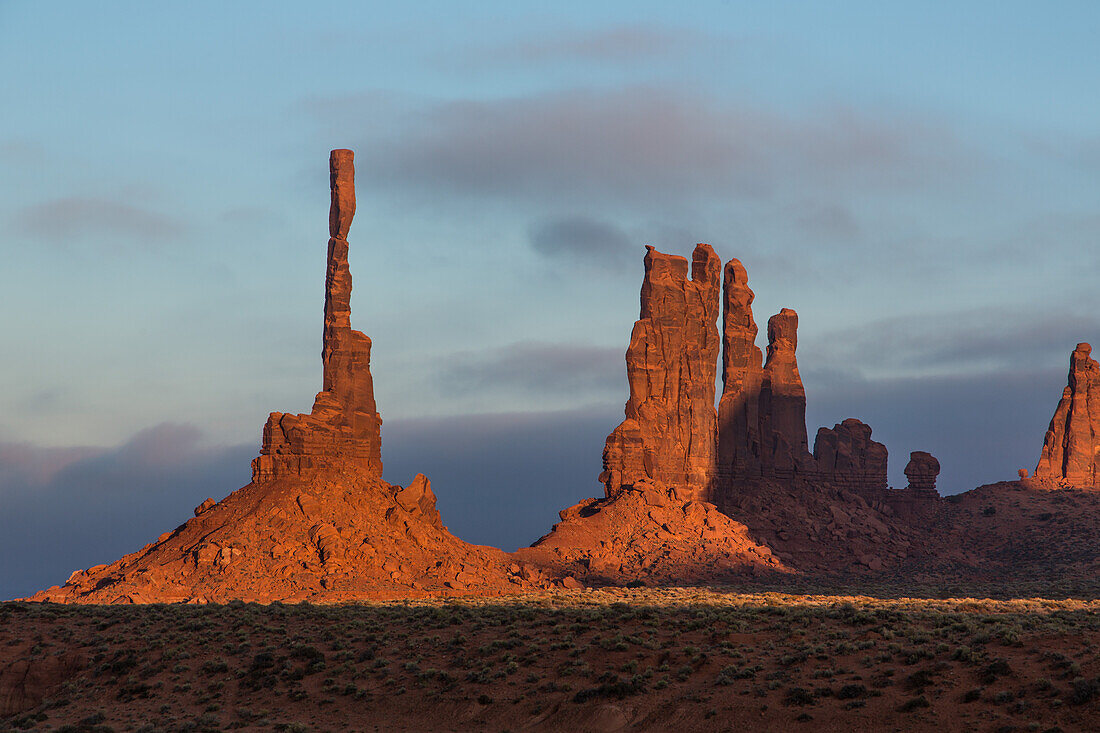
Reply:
x=736 y=659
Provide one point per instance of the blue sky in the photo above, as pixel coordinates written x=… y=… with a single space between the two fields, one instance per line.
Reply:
x=920 y=181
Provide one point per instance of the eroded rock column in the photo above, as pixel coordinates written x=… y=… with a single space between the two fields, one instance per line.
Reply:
x=670 y=427
x=1071 y=449
x=344 y=426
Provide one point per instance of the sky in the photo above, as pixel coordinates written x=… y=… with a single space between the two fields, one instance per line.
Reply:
x=920 y=181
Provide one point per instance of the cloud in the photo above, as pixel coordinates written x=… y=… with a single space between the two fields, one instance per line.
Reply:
x=73 y=507
x=581 y=238
x=501 y=479
x=986 y=339
x=617 y=45
x=831 y=220
x=643 y=145
x=21 y=152
x=536 y=368
x=71 y=218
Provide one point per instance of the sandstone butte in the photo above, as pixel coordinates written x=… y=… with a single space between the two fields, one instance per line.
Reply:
x=691 y=493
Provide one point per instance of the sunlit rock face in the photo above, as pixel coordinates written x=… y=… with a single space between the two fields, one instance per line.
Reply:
x=669 y=431
x=1071 y=450
x=344 y=425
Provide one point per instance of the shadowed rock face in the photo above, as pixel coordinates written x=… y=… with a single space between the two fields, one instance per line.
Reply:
x=739 y=417
x=762 y=413
x=922 y=470
x=1071 y=450
x=783 y=398
x=344 y=425
x=846 y=455
x=669 y=431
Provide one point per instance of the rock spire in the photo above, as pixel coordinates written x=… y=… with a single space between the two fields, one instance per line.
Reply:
x=1071 y=450
x=344 y=424
x=739 y=417
x=669 y=431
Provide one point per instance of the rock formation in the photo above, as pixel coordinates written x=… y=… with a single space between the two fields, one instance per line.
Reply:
x=1071 y=450
x=344 y=426
x=317 y=522
x=739 y=416
x=669 y=431
x=922 y=470
x=651 y=533
x=845 y=455
x=784 y=399
x=762 y=413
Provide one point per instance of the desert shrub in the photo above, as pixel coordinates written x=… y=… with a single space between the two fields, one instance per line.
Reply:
x=849 y=692
x=1083 y=691
x=798 y=696
x=914 y=704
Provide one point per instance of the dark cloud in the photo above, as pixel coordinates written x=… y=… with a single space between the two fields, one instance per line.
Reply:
x=981 y=427
x=501 y=479
x=72 y=218
x=644 y=146
x=582 y=239
x=535 y=368
x=988 y=338
x=621 y=44
x=70 y=508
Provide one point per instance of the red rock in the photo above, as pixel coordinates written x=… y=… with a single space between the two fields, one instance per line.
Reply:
x=418 y=497
x=344 y=427
x=669 y=431
x=317 y=522
x=1071 y=449
x=633 y=536
x=845 y=455
x=739 y=416
x=784 y=398
x=922 y=470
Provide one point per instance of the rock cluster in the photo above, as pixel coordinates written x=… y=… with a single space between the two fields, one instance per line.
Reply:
x=671 y=363
x=1071 y=449
x=762 y=413
x=650 y=533
x=344 y=426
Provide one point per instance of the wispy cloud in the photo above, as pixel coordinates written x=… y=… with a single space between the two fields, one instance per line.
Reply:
x=968 y=340
x=535 y=368
x=644 y=146
x=583 y=239
x=616 y=45
x=72 y=218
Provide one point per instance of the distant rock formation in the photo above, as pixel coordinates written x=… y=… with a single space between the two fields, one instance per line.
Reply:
x=846 y=456
x=922 y=470
x=669 y=431
x=1071 y=450
x=344 y=425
